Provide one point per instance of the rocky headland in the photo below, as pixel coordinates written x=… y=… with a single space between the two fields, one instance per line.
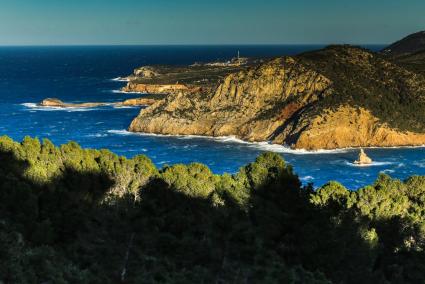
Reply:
x=195 y=78
x=54 y=102
x=143 y=101
x=340 y=96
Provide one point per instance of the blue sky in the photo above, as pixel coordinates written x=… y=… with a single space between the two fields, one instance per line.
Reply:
x=62 y=22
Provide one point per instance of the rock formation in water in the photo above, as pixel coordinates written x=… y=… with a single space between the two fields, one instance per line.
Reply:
x=143 y=101
x=53 y=102
x=341 y=96
x=363 y=159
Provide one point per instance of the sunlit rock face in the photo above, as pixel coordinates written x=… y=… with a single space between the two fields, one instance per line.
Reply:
x=338 y=97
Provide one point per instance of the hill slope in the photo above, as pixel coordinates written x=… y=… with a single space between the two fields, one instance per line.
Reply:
x=410 y=44
x=341 y=96
x=408 y=52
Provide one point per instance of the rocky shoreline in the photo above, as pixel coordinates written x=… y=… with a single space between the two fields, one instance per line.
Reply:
x=337 y=97
x=291 y=101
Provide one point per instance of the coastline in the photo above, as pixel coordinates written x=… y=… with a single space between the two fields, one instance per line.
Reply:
x=264 y=145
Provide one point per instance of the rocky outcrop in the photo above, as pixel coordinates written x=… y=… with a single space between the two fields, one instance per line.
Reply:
x=53 y=102
x=363 y=159
x=349 y=126
x=155 y=88
x=144 y=101
x=146 y=72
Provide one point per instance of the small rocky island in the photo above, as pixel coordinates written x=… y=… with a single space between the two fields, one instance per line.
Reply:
x=54 y=102
x=363 y=159
x=143 y=101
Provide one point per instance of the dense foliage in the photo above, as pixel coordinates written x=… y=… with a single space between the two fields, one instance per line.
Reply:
x=361 y=78
x=69 y=215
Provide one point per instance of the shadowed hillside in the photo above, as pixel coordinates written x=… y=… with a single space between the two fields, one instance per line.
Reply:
x=70 y=215
x=412 y=43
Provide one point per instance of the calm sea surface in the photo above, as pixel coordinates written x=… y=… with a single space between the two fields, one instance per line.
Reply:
x=84 y=74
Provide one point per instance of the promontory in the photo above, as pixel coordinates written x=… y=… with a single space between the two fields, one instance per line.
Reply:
x=336 y=97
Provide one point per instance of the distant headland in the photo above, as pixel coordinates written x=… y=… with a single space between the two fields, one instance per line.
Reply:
x=337 y=97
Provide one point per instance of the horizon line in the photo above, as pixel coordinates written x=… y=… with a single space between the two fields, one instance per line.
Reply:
x=188 y=44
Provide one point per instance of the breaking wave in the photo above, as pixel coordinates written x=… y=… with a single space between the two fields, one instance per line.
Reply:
x=373 y=164
x=120 y=79
x=34 y=106
x=263 y=146
x=124 y=92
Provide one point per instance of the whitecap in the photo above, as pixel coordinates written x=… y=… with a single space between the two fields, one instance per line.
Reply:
x=373 y=164
x=97 y=135
x=263 y=146
x=120 y=132
x=120 y=79
x=125 y=107
x=388 y=171
x=125 y=92
x=36 y=107
x=29 y=105
x=307 y=178
x=420 y=164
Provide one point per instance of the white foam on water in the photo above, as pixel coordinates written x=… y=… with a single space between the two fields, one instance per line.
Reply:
x=119 y=132
x=264 y=146
x=125 y=107
x=124 y=92
x=307 y=178
x=388 y=171
x=120 y=79
x=373 y=164
x=36 y=107
x=97 y=135
x=420 y=164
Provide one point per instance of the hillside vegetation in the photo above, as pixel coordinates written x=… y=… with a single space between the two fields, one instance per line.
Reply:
x=71 y=215
x=394 y=95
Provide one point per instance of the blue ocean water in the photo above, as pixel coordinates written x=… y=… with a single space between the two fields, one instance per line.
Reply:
x=83 y=74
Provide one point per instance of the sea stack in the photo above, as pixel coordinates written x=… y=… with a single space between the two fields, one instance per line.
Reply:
x=363 y=159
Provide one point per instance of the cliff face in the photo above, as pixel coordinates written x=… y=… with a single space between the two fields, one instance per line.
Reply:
x=154 y=88
x=328 y=99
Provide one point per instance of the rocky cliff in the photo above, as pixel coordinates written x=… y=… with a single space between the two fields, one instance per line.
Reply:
x=154 y=88
x=337 y=97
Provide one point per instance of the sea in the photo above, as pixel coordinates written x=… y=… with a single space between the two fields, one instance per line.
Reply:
x=89 y=74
